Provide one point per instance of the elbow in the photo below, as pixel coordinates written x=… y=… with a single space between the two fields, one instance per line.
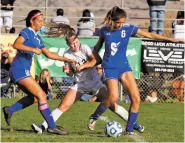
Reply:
x=15 y=46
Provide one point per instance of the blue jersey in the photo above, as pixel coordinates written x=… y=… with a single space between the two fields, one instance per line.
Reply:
x=116 y=43
x=23 y=59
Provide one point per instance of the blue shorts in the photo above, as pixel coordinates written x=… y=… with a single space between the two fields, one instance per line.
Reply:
x=17 y=74
x=116 y=73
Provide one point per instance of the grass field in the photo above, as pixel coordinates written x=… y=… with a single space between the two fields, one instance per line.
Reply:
x=164 y=122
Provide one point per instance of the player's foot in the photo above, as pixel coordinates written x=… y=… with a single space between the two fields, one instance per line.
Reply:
x=92 y=124
x=129 y=133
x=7 y=115
x=38 y=129
x=57 y=131
x=140 y=129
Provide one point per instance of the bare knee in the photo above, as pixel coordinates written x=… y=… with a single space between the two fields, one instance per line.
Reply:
x=112 y=99
x=41 y=97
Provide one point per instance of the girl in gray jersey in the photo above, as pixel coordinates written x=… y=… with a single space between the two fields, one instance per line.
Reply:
x=86 y=80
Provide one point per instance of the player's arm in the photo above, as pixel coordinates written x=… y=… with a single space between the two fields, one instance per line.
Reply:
x=68 y=70
x=96 y=50
x=156 y=36
x=55 y=56
x=98 y=45
x=18 y=45
x=87 y=64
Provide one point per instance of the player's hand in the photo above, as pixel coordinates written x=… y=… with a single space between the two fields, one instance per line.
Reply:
x=66 y=69
x=71 y=61
x=0 y=5
x=37 y=51
x=79 y=68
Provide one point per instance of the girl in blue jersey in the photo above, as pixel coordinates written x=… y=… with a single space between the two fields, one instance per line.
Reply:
x=116 y=34
x=28 y=44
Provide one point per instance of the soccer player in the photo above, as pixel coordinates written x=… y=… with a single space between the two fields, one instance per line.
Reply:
x=86 y=79
x=116 y=33
x=28 y=44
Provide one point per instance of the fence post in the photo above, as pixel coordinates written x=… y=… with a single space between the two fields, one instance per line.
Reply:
x=46 y=8
x=122 y=3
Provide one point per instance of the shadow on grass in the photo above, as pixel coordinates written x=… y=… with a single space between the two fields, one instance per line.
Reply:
x=11 y=129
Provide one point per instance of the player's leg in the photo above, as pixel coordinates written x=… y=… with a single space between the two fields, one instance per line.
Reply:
x=112 y=97
x=36 y=90
x=69 y=99
x=130 y=85
x=117 y=109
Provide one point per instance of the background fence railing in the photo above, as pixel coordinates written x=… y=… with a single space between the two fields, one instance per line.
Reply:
x=166 y=87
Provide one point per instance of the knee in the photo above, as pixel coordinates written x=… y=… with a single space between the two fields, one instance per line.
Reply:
x=136 y=100
x=113 y=98
x=42 y=96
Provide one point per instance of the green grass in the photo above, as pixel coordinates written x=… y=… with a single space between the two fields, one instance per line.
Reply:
x=164 y=122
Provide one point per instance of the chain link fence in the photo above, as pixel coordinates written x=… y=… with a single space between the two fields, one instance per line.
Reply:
x=152 y=87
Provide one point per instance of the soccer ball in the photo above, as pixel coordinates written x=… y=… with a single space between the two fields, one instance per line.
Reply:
x=113 y=129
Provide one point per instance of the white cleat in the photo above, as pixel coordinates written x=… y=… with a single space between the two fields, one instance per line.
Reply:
x=37 y=129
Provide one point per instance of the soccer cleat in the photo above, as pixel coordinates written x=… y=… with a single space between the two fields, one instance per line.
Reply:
x=129 y=133
x=92 y=124
x=38 y=129
x=140 y=129
x=57 y=131
x=7 y=115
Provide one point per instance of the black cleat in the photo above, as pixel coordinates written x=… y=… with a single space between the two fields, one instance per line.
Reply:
x=7 y=115
x=57 y=131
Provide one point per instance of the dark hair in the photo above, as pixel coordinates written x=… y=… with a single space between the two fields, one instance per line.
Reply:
x=180 y=15
x=30 y=15
x=113 y=15
x=117 y=13
x=60 y=12
x=86 y=13
x=12 y=30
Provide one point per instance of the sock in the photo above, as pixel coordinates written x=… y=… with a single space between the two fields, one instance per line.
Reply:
x=131 y=120
x=21 y=104
x=46 y=113
x=99 y=111
x=56 y=114
x=136 y=126
x=122 y=113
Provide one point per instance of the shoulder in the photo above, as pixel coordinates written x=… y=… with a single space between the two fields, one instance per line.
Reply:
x=67 y=53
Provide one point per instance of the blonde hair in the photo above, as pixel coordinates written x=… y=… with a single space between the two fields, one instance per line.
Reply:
x=41 y=77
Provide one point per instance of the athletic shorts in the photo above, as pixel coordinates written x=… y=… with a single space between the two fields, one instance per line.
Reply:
x=88 y=86
x=17 y=74
x=116 y=73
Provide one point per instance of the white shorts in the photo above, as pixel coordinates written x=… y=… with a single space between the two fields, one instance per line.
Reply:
x=6 y=19
x=88 y=86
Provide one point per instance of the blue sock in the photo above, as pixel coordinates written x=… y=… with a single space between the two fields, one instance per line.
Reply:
x=131 y=120
x=136 y=126
x=21 y=104
x=46 y=113
x=99 y=111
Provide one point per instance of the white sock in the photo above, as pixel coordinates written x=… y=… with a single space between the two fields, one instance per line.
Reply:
x=56 y=114
x=122 y=112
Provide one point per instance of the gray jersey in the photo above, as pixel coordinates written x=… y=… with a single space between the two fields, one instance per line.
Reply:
x=81 y=57
x=60 y=19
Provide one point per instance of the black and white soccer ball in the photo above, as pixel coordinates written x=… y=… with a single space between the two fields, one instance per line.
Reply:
x=113 y=129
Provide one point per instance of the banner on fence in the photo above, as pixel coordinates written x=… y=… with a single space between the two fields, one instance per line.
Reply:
x=162 y=56
x=6 y=45
x=59 y=46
